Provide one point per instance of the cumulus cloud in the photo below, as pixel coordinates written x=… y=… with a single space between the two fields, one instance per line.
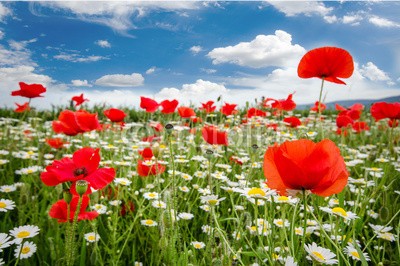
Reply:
x=80 y=83
x=383 y=22
x=16 y=54
x=196 y=49
x=151 y=70
x=265 y=50
x=352 y=19
x=77 y=58
x=103 y=43
x=208 y=70
x=373 y=73
x=308 y=8
x=120 y=80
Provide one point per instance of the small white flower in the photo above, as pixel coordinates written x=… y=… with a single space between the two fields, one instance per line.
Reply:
x=122 y=181
x=4 y=241
x=340 y=212
x=25 y=231
x=92 y=237
x=6 y=205
x=148 y=222
x=25 y=251
x=320 y=254
x=100 y=208
x=353 y=253
x=159 y=204
x=198 y=245
x=185 y=216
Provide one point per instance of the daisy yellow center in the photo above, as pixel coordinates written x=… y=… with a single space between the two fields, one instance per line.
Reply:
x=152 y=195
x=340 y=211
x=23 y=234
x=275 y=256
x=197 y=245
x=298 y=231
x=2 y=205
x=318 y=255
x=91 y=238
x=375 y=169
x=253 y=228
x=31 y=152
x=283 y=198
x=149 y=222
x=212 y=202
x=162 y=146
x=279 y=222
x=30 y=171
x=123 y=183
x=256 y=192
x=25 y=250
x=355 y=254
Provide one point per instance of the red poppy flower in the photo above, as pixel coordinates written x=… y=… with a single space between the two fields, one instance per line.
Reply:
x=213 y=136
x=72 y=123
x=305 y=165
x=317 y=106
x=208 y=107
x=255 y=112
x=393 y=123
x=148 y=104
x=29 y=90
x=145 y=167
x=59 y=210
x=228 y=109
x=79 y=100
x=360 y=126
x=56 y=143
x=22 y=108
x=328 y=63
x=354 y=112
x=343 y=121
x=284 y=105
x=292 y=121
x=168 y=107
x=115 y=115
x=186 y=112
x=83 y=165
x=382 y=110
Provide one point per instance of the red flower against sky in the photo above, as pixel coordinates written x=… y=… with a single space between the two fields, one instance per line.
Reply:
x=382 y=110
x=83 y=165
x=29 y=90
x=79 y=100
x=148 y=104
x=328 y=63
x=208 y=107
x=186 y=112
x=59 y=210
x=72 y=123
x=228 y=109
x=255 y=112
x=285 y=104
x=22 y=108
x=303 y=164
x=168 y=107
x=213 y=136
x=56 y=143
x=317 y=106
x=292 y=121
x=115 y=115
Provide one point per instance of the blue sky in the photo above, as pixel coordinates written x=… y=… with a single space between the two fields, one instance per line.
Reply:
x=193 y=51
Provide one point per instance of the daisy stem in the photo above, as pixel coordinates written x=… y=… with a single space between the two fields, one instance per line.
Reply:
x=319 y=108
x=19 y=254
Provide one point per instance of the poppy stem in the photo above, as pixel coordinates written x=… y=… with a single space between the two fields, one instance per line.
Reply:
x=303 y=242
x=319 y=107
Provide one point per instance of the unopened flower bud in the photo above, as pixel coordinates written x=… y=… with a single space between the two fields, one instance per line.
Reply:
x=209 y=154
x=67 y=196
x=81 y=187
x=169 y=128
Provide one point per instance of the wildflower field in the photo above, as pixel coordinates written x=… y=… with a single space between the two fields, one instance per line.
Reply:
x=168 y=184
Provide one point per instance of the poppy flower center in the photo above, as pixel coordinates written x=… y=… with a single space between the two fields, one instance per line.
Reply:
x=81 y=171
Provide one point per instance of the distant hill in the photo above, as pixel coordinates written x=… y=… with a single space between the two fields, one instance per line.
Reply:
x=347 y=103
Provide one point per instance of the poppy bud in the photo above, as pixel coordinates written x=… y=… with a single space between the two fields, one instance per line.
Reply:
x=156 y=150
x=169 y=128
x=209 y=154
x=81 y=187
x=67 y=196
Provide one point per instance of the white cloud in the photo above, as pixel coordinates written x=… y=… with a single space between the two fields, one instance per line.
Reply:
x=208 y=70
x=263 y=51
x=120 y=80
x=4 y=12
x=308 y=8
x=80 y=83
x=114 y=14
x=77 y=58
x=151 y=70
x=352 y=19
x=196 y=49
x=200 y=91
x=1 y=34
x=103 y=43
x=373 y=73
x=16 y=54
x=331 y=19
x=383 y=22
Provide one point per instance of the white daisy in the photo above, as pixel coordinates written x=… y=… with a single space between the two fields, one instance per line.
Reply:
x=25 y=251
x=320 y=254
x=25 y=231
x=198 y=245
x=100 y=208
x=4 y=241
x=352 y=252
x=6 y=205
x=185 y=216
x=92 y=237
x=122 y=181
x=281 y=223
x=8 y=188
x=148 y=222
x=159 y=204
x=340 y=212
x=211 y=200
